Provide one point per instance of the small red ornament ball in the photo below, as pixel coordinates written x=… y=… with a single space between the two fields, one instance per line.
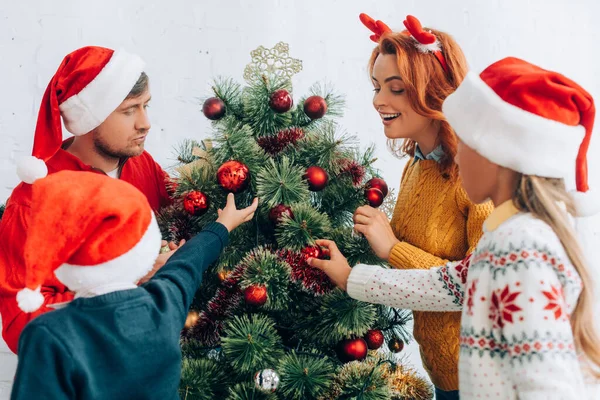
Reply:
x=374 y=339
x=315 y=107
x=374 y=196
x=233 y=176
x=281 y=101
x=196 y=203
x=396 y=345
x=213 y=108
x=312 y=252
x=377 y=183
x=278 y=212
x=352 y=350
x=317 y=178
x=255 y=295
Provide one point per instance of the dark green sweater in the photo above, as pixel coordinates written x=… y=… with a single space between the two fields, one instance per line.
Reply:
x=121 y=345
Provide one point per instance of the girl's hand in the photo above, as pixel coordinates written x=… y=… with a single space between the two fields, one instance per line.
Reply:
x=231 y=217
x=375 y=226
x=337 y=268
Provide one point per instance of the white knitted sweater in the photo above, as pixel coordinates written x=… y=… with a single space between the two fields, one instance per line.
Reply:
x=516 y=293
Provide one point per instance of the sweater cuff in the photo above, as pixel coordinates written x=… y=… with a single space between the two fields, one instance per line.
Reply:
x=218 y=229
x=358 y=279
x=399 y=255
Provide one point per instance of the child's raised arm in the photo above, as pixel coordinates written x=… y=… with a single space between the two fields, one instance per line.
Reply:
x=436 y=289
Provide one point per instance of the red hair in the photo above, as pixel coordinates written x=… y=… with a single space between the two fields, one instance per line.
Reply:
x=427 y=85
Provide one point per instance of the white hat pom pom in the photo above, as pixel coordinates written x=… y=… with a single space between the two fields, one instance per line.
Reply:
x=30 y=169
x=30 y=300
x=586 y=203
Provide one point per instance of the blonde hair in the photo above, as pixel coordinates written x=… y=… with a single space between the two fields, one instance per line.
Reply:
x=542 y=198
x=427 y=86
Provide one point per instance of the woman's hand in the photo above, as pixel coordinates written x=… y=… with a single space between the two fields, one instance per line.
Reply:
x=375 y=227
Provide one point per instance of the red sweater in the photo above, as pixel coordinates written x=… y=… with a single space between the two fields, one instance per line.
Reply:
x=141 y=171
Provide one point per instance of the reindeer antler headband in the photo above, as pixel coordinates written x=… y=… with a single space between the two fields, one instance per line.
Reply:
x=425 y=41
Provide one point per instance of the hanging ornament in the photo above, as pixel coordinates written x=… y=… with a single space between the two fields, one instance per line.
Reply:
x=379 y=184
x=374 y=197
x=255 y=295
x=374 y=339
x=352 y=350
x=278 y=212
x=315 y=107
x=312 y=252
x=396 y=345
x=281 y=101
x=192 y=319
x=317 y=178
x=196 y=203
x=214 y=108
x=266 y=380
x=233 y=176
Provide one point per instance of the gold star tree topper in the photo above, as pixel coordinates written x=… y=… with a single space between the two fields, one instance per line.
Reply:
x=276 y=61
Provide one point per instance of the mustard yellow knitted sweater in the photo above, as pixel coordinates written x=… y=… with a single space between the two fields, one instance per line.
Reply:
x=435 y=222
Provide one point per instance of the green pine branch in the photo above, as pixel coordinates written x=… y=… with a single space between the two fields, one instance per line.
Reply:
x=338 y=317
x=258 y=114
x=264 y=268
x=355 y=247
x=230 y=92
x=360 y=381
x=281 y=183
x=249 y=391
x=250 y=343
x=202 y=379
x=234 y=141
x=305 y=377
x=307 y=225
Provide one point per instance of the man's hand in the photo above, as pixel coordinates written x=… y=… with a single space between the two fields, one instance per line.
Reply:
x=162 y=259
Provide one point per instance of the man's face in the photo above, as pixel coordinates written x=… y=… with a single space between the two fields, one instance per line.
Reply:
x=124 y=132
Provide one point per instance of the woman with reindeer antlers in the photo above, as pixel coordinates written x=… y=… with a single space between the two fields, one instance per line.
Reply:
x=434 y=221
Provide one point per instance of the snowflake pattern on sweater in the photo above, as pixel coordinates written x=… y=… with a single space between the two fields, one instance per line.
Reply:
x=516 y=293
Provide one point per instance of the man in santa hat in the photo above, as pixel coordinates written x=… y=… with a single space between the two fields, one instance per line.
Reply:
x=102 y=96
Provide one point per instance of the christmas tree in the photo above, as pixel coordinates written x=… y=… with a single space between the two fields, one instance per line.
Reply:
x=265 y=325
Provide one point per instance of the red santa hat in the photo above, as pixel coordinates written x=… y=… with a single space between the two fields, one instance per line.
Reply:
x=528 y=119
x=88 y=86
x=103 y=233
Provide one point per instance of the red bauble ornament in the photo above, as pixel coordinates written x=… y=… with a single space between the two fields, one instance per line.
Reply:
x=379 y=184
x=352 y=350
x=214 y=108
x=312 y=252
x=281 y=101
x=233 y=176
x=196 y=203
x=374 y=197
x=374 y=339
x=315 y=107
x=317 y=178
x=396 y=345
x=255 y=295
x=278 y=212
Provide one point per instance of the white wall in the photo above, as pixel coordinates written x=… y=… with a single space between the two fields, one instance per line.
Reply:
x=186 y=43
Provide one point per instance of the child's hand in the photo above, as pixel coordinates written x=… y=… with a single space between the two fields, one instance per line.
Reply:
x=337 y=268
x=231 y=217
